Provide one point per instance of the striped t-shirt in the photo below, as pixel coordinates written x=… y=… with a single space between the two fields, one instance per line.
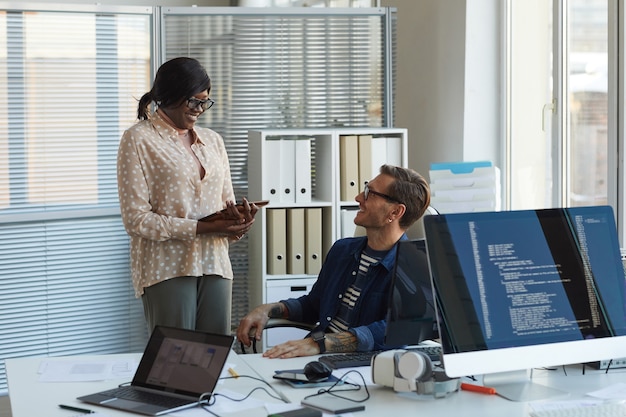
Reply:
x=346 y=314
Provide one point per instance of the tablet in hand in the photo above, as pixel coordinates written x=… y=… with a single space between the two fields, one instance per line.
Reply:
x=239 y=206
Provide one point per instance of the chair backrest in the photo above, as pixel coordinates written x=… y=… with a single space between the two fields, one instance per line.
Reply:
x=416 y=231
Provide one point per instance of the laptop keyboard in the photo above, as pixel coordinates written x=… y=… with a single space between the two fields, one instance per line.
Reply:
x=132 y=394
x=356 y=359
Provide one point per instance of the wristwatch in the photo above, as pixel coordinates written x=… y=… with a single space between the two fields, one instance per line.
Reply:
x=319 y=337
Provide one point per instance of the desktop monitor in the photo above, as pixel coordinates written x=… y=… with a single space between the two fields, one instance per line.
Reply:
x=410 y=314
x=518 y=290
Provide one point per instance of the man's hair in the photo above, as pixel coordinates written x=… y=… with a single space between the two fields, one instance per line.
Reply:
x=176 y=80
x=411 y=189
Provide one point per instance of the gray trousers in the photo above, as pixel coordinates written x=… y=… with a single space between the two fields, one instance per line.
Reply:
x=197 y=303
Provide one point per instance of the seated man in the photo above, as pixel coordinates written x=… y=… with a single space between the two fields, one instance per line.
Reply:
x=349 y=299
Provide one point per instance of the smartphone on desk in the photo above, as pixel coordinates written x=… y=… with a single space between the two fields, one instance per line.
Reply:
x=293 y=376
x=297 y=379
x=239 y=206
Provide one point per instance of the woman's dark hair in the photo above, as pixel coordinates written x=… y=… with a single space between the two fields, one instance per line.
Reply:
x=411 y=189
x=175 y=81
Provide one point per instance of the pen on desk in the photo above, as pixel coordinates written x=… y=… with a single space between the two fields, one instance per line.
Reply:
x=78 y=410
x=478 y=388
x=233 y=373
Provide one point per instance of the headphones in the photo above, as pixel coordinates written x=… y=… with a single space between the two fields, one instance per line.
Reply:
x=411 y=371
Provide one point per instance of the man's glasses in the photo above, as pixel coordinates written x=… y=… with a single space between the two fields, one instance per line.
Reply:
x=193 y=103
x=367 y=192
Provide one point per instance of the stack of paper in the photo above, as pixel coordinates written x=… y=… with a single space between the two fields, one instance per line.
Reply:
x=461 y=187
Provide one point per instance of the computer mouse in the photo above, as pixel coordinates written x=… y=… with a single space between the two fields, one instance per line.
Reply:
x=317 y=371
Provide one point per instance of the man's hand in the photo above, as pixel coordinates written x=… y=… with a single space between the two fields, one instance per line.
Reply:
x=334 y=342
x=252 y=325
x=293 y=348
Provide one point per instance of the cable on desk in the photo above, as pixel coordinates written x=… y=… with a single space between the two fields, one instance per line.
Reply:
x=214 y=396
x=330 y=390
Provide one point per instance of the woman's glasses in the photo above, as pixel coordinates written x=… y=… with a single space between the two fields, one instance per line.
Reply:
x=193 y=103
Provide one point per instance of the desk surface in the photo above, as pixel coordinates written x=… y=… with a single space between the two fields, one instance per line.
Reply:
x=384 y=401
x=32 y=398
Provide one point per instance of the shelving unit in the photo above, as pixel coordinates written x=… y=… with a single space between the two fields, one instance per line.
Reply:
x=325 y=194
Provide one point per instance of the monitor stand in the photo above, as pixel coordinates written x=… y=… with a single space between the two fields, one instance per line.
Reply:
x=517 y=386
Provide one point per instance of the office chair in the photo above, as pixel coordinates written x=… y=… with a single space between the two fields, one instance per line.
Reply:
x=416 y=231
x=276 y=323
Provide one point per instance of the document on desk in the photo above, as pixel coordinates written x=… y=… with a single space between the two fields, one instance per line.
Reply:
x=281 y=408
x=51 y=370
x=564 y=404
x=612 y=392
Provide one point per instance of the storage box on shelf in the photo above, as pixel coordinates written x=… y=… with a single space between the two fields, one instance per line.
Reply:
x=465 y=187
x=293 y=233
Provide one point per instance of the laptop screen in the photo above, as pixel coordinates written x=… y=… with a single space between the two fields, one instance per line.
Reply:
x=410 y=315
x=183 y=361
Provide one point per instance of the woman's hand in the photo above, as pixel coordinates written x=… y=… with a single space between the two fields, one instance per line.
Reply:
x=234 y=229
x=246 y=210
x=233 y=222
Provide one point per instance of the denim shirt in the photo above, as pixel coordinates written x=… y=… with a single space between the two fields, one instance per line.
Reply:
x=337 y=274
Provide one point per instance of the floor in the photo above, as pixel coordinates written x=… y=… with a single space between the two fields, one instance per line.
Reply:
x=5 y=406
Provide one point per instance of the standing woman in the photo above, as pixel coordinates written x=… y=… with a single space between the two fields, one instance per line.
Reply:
x=170 y=174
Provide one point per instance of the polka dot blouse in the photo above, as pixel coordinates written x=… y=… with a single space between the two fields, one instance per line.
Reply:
x=162 y=196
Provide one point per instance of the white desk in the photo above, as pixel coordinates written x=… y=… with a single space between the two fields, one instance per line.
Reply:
x=32 y=398
x=385 y=402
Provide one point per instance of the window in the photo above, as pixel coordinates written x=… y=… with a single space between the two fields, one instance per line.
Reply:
x=559 y=148
x=72 y=79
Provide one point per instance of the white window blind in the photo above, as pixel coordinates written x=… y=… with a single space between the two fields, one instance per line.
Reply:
x=284 y=68
x=68 y=87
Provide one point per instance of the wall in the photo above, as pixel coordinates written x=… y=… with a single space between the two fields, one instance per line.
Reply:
x=448 y=82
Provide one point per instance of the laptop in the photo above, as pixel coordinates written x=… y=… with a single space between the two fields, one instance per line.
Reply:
x=177 y=368
x=411 y=314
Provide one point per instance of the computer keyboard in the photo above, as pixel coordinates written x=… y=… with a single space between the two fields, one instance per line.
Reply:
x=599 y=410
x=356 y=359
x=348 y=360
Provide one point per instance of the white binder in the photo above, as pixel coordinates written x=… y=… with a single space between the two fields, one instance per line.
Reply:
x=379 y=156
x=394 y=151
x=302 y=167
x=287 y=170
x=273 y=173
